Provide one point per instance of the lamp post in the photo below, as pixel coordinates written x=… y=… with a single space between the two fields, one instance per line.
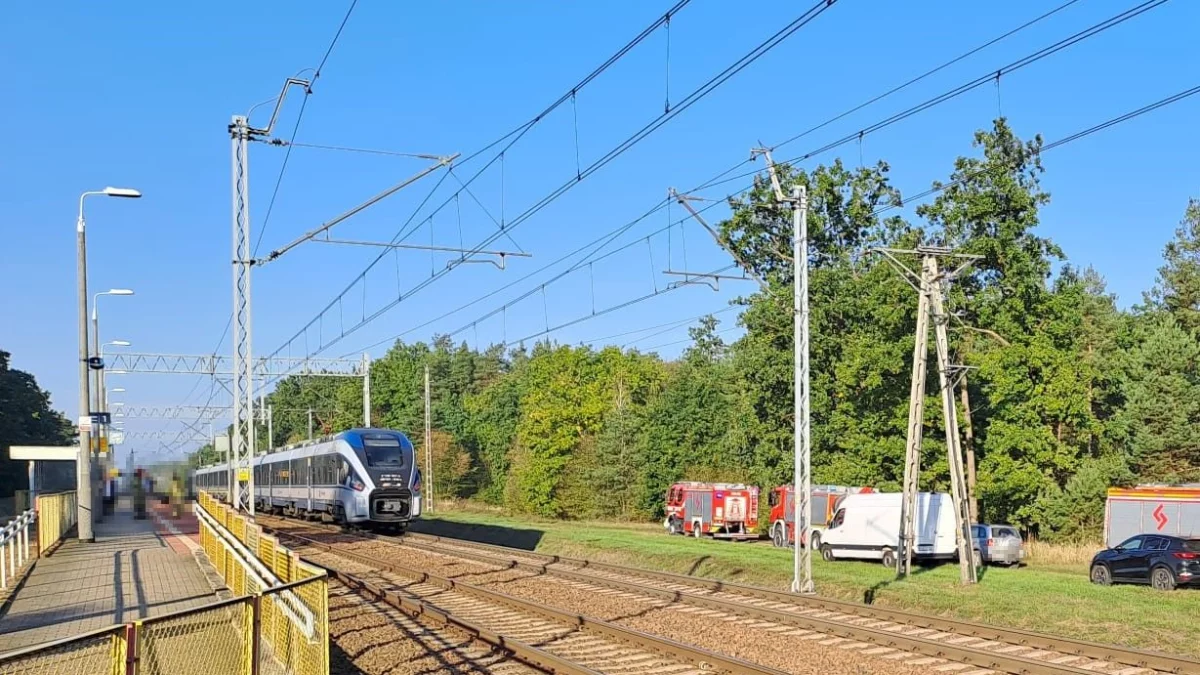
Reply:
x=83 y=465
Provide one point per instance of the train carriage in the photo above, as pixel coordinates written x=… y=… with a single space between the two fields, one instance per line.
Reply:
x=359 y=476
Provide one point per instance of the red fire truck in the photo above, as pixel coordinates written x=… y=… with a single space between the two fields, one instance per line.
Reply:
x=824 y=503
x=724 y=510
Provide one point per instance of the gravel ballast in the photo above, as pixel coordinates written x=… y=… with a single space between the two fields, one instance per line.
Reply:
x=787 y=648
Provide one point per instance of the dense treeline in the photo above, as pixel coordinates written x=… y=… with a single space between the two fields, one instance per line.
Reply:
x=1067 y=394
x=26 y=418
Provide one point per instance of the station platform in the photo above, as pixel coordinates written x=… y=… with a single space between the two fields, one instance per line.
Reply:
x=134 y=570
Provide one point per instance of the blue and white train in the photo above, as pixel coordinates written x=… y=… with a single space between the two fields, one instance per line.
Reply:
x=365 y=477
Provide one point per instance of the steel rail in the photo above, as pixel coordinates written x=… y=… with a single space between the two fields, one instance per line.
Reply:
x=699 y=657
x=1169 y=663
x=415 y=608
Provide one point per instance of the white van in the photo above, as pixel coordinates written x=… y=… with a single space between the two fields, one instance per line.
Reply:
x=867 y=527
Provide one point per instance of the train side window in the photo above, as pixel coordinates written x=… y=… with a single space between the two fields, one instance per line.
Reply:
x=343 y=470
x=327 y=469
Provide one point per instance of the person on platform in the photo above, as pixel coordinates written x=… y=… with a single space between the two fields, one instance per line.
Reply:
x=176 y=496
x=139 y=496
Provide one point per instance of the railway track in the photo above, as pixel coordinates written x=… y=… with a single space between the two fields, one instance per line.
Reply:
x=979 y=645
x=550 y=639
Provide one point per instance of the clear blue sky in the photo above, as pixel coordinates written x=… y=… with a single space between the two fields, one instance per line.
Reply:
x=139 y=94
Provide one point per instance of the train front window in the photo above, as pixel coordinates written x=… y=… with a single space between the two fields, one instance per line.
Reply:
x=382 y=451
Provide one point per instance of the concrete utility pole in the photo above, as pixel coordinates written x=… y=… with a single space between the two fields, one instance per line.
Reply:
x=916 y=429
x=310 y=424
x=83 y=466
x=958 y=486
x=931 y=286
x=428 y=446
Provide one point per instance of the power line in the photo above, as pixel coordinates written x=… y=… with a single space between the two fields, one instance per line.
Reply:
x=512 y=137
x=719 y=179
x=696 y=95
x=296 y=127
x=688 y=339
x=1091 y=31
x=670 y=325
x=1174 y=98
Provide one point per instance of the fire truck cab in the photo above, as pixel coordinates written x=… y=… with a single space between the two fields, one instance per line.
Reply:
x=723 y=510
x=825 y=499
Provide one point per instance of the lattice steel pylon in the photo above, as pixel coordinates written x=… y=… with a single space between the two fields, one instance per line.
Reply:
x=242 y=442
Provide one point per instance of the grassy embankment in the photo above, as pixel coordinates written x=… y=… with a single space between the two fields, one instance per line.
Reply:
x=1051 y=594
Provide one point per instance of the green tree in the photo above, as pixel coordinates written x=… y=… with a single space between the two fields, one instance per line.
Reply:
x=1177 y=290
x=26 y=418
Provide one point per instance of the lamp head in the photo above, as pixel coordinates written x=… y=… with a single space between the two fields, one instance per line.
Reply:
x=128 y=193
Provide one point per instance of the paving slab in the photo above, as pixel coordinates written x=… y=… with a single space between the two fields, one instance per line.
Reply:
x=134 y=570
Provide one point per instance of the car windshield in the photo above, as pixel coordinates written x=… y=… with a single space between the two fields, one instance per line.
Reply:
x=1005 y=533
x=382 y=451
x=1191 y=545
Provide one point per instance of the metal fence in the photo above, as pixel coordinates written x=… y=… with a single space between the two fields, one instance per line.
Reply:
x=278 y=625
x=292 y=618
x=56 y=515
x=100 y=651
x=14 y=546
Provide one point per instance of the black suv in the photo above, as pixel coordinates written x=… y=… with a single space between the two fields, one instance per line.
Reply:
x=1163 y=562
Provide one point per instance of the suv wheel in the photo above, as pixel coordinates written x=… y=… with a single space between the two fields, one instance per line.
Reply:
x=1100 y=575
x=1162 y=579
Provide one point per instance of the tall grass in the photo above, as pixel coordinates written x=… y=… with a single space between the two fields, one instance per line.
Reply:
x=1074 y=554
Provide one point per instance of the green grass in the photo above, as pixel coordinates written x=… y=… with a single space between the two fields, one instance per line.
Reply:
x=1054 y=599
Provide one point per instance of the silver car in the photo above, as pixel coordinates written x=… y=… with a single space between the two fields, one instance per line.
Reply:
x=1000 y=544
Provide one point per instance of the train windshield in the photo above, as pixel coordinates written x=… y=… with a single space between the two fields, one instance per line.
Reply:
x=382 y=451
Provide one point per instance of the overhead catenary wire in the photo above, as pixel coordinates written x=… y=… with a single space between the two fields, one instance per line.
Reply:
x=1157 y=105
x=296 y=128
x=696 y=95
x=894 y=90
x=893 y=119
x=512 y=137
x=669 y=324
x=1076 y=38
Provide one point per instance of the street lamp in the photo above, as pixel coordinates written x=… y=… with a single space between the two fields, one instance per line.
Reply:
x=83 y=471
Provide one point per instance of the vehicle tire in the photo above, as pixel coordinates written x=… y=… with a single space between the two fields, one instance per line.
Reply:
x=674 y=526
x=1101 y=575
x=1162 y=579
x=814 y=540
x=827 y=553
x=697 y=531
x=779 y=535
x=888 y=559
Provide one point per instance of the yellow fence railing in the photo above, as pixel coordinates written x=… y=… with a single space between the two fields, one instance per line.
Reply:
x=278 y=624
x=56 y=514
x=293 y=618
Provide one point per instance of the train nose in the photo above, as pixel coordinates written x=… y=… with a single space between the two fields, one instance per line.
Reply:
x=391 y=504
